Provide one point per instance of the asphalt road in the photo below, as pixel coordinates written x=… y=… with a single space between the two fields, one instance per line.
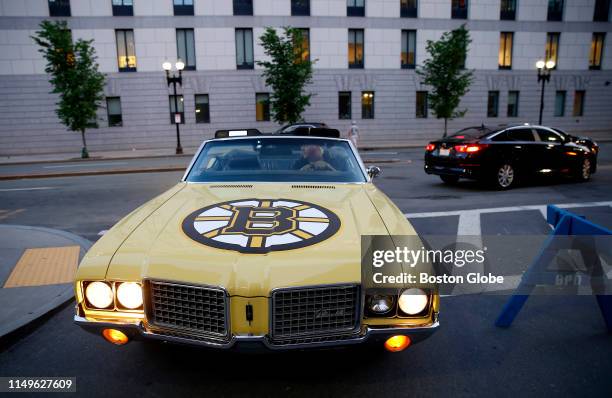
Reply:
x=557 y=346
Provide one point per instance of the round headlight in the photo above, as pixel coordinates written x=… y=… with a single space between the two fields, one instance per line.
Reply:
x=99 y=294
x=129 y=295
x=380 y=304
x=413 y=301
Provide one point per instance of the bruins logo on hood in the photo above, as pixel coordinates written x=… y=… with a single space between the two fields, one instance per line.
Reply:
x=261 y=225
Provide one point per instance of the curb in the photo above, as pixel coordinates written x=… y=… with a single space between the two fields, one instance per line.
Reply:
x=90 y=173
x=66 y=294
x=130 y=171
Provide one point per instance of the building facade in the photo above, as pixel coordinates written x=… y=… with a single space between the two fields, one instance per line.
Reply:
x=366 y=52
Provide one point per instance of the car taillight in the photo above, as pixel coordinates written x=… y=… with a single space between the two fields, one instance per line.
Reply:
x=430 y=147
x=468 y=148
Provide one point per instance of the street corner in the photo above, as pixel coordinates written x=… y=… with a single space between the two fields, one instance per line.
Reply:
x=37 y=267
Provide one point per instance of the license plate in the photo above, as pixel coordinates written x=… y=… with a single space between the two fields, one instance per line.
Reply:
x=444 y=152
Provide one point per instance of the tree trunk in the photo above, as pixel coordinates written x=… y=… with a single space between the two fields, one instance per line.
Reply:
x=445 y=126
x=84 y=152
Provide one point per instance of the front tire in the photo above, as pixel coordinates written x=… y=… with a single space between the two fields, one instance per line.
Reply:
x=451 y=180
x=504 y=176
x=584 y=170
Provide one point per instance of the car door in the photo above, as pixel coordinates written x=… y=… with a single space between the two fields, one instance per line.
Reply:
x=550 y=151
x=520 y=144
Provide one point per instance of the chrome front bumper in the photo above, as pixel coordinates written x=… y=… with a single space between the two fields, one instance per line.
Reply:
x=256 y=343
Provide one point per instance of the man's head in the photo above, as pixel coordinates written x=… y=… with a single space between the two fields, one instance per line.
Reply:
x=312 y=153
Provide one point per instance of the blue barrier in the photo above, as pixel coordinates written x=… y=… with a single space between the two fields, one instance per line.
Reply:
x=564 y=223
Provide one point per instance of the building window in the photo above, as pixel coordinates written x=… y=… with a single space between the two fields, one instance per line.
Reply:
x=123 y=8
x=552 y=47
x=421 y=104
x=59 y=8
x=367 y=104
x=303 y=52
x=493 y=104
x=185 y=48
x=578 y=103
x=300 y=7
x=344 y=105
x=408 y=8
x=560 y=103
x=513 y=103
x=243 y=7
x=355 y=48
x=244 y=48
x=602 y=11
x=202 y=110
x=505 y=50
x=126 y=50
x=177 y=117
x=507 y=10
x=459 y=9
x=596 y=52
x=555 y=10
x=113 y=110
x=262 y=107
x=355 y=8
x=183 y=7
x=408 y=49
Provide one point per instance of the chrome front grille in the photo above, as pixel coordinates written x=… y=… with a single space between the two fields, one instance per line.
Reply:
x=314 y=311
x=191 y=310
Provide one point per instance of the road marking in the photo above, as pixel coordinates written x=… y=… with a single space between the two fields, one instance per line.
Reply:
x=540 y=208
x=25 y=189
x=61 y=166
x=381 y=153
x=4 y=214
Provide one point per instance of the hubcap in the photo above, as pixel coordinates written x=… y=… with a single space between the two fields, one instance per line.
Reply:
x=586 y=169
x=505 y=176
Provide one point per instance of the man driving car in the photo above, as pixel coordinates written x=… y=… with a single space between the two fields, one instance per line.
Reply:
x=314 y=157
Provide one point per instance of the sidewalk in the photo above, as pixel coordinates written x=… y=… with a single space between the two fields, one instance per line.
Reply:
x=37 y=267
x=147 y=153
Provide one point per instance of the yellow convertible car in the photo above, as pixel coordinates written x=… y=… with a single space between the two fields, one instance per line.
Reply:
x=258 y=246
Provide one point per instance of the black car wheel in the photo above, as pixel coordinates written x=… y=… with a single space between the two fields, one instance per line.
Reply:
x=449 y=179
x=584 y=171
x=505 y=176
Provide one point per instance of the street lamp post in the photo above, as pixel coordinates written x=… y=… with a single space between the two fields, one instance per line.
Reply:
x=174 y=79
x=544 y=70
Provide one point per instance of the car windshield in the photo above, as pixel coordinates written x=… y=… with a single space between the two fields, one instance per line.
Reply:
x=272 y=159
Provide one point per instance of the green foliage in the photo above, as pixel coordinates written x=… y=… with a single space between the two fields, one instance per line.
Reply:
x=445 y=73
x=74 y=76
x=287 y=72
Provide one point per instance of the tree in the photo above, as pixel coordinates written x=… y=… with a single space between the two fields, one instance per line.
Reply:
x=287 y=72
x=74 y=76
x=445 y=73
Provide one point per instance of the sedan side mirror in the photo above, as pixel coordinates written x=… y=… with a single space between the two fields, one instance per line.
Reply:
x=373 y=171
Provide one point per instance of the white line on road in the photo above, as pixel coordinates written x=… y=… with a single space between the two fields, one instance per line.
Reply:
x=25 y=189
x=540 y=208
x=380 y=153
x=85 y=165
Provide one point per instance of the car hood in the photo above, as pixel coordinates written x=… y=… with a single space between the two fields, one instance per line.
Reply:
x=161 y=248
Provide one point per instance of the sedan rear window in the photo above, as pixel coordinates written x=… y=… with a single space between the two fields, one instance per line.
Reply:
x=277 y=159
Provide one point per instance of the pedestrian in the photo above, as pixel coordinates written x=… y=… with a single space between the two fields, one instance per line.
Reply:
x=353 y=133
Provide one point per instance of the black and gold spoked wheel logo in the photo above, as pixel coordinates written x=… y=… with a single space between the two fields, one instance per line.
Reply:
x=261 y=225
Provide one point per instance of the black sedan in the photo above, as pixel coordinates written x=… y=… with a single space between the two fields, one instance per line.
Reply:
x=291 y=128
x=503 y=155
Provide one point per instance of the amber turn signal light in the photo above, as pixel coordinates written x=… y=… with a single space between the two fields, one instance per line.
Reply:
x=115 y=336
x=397 y=343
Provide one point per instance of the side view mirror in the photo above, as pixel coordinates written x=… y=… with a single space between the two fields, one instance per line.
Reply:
x=373 y=171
